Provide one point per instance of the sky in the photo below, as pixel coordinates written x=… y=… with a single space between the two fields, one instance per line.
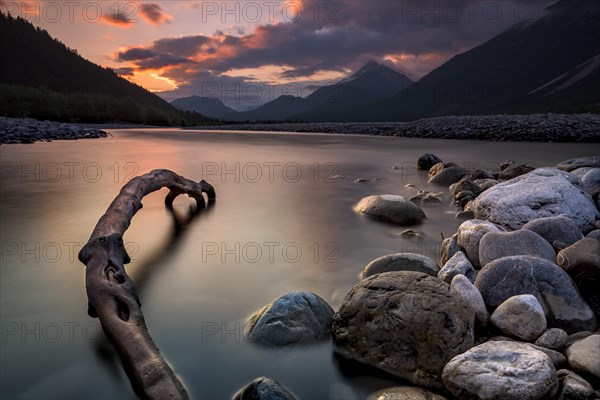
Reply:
x=249 y=52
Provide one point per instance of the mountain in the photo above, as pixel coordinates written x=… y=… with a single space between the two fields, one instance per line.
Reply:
x=278 y=109
x=209 y=106
x=43 y=78
x=549 y=65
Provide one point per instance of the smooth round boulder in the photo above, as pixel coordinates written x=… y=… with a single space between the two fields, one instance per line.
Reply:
x=470 y=234
x=559 y=231
x=501 y=370
x=448 y=175
x=408 y=324
x=404 y=393
x=427 y=161
x=401 y=262
x=584 y=356
x=573 y=386
x=294 y=318
x=553 y=339
x=458 y=264
x=521 y=317
x=514 y=170
x=563 y=305
x=582 y=162
x=264 y=388
x=591 y=180
x=544 y=192
x=390 y=208
x=581 y=259
x=469 y=292
x=495 y=245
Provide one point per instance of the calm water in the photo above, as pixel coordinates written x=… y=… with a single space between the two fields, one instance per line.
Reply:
x=282 y=222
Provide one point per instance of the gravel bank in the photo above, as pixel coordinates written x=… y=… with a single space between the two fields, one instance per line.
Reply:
x=18 y=130
x=518 y=128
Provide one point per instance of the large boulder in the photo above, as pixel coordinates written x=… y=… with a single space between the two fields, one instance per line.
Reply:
x=294 y=318
x=544 y=192
x=264 y=389
x=501 y=370
x=469 y=235
x=559 y=231
x=584 y=356
x=409 y=324
x=458 y=264
x=401 y=262
x=494 y=245
x=564 y=307
x=520 y=316
x=391 y=208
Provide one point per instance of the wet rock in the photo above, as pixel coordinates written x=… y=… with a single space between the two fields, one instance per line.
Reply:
x=584 y=356
x=401 y=262
x=553 y=339
x=520 y=316
x=404 y=393
x=501 y=371
x=361 y=180
x=448 y=249
x=458 y=264
x=495 y=245
x=294 y=318
x=544 y=192
x=390 y=208
x=555 y=290
x=413 y=234
x=485 y=184
x=469 y=292
x=573 y=386
x=574 y=163
x=448 y=175
x=264 y=388
x=437 y=168
x=559 y=231
x=514 y=170
x=427 y=161
x=470 y=234
x=409 y=324
x=428 y=198
x=464 y=215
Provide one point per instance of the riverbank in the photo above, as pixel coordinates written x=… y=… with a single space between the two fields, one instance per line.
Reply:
x=27 y=130
x=579 y=128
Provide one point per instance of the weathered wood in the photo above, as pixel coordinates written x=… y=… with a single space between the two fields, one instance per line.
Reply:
x=111 y=293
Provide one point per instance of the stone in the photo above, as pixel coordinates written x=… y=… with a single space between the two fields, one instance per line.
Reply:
x=428 y=198
x=458 y=264
x=294 y=318
x=591 y=180
x=390 y=208
x=464 y=215
x=264 y=388
x=559 y=231
x=495 y=245
x=485 y=184
x=595 y=234
x=564 y=307
x=412 y=234
x=553 y=339
x=558 y=359
x=469 y=235
x=401 y=262
x=581 y=259
x=514 y=170
x=427 y=161
x=544 y=192
x=584 y=356
x=408 y=324
x=448 y=249
x=574 y=163
x=448 y=175
x=573 y=386
x=469 y=292
x=404 y=393
x=501 y=371
x=437 y=168
x=520 y=316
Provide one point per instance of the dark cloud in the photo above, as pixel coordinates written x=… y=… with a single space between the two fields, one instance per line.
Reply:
x=185 y=46
x=135 y=53
x=154 y=14
x=124 y=71
x=117 y=18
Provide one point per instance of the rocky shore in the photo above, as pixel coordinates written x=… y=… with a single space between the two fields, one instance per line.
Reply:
x=512 y=312
x=518 y=128
x=27 y=130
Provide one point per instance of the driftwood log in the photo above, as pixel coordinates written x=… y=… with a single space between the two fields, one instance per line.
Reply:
x=111 y=293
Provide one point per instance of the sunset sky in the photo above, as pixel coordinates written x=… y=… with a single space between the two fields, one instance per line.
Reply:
x=231 y=49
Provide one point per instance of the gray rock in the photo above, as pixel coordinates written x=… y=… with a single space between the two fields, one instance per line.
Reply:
x=495 y=245
x=520 y=316
x=469 y=292
x=544 y=192
x=485 y=184
x=458 y=264
x=390 y=208
x=559 y=231
x=553 y=339
x=469 y=235
x=448 y=249
x=501 y=371
x=401 y=262
x=580 y=172
x=511 y=276
x=514 y=170
x=428 y=198
x=404 y=393
x=573 y=386
x=294 y=318
x=427 y=161
x=581 y=260
x=464 y=215
x=591 y=180
x=264 y=389
x=584 y=356
x=409 y=324
x=574 y=163
x=449 y=175
x=595 y=234
x=558 y=359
